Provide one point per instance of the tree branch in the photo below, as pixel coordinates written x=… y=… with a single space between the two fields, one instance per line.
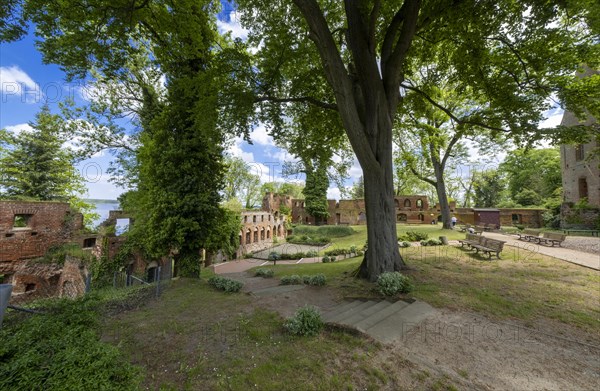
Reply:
x=302 y=99
x=450 y=113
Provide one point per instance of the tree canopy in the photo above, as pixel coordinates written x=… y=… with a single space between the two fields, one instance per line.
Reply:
x=358 y=58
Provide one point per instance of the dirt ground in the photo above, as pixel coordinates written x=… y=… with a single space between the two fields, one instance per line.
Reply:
x=468 y=349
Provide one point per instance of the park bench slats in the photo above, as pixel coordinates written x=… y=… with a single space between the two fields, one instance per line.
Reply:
x=552 y=238
x=530 y=235
x=486 y=245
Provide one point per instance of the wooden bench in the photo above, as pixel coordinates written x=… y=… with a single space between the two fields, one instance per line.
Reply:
x=530 y=235
x=593 y=232
x=464 y=228
x=478 y=230
x=489 y=246
x=552 y=238
x=470 y=240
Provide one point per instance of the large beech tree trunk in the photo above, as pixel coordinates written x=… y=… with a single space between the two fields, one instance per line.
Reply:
x=367 y=94
x=382 y=254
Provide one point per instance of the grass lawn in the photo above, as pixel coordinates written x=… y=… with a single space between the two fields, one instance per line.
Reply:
x=523 y=285
x=359 y=238
x=183 y=343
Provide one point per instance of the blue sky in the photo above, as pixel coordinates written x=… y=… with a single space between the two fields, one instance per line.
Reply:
x=26 y=83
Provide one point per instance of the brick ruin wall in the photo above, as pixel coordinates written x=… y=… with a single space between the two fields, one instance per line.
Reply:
x=27 y=231
x=410 y=209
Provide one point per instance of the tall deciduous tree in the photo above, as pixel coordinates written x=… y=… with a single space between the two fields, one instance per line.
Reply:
x=180 y=153
x=367 y=50
x=533 y=175
x=489 y=187
x=242 y=183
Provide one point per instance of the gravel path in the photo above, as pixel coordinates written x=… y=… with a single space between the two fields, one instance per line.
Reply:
x=582 y=243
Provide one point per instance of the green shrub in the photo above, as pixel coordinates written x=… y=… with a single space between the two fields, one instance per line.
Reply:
x=332 y=259
x=312 y=254
x=339 y=251
x=431 y=242
x=325 y=259
x=225 y=284
x=306 y=322
x=413 y=236
x=316 y=280
x=62 y=350
x=391 y=283
x=404 y=244
x=294 y=279
x=263 y=272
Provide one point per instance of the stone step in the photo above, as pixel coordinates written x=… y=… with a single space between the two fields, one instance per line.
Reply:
x=357 y=317
x=357 y=311
x=340 y=309
x=377 y=317
x=350 y=312
x=397 y=324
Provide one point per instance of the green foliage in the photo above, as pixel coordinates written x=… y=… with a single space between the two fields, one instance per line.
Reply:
x=358 y=189
x=489 y=188
x=340 y=251
x=533 y=175
x=305 y=239
x=263 y=272
x=315 y=280
x=291 y=280
x=326 y=259
x=404 y=244
x=225 y=284
x=431 y=242
x=315 y=193
x=241 y=183
x=413 y=236
x=34 y=165
x=527 y=197
x=306 y=322
x=62 y=350
x=329 y=231
x=392 y=283
x=58 y=254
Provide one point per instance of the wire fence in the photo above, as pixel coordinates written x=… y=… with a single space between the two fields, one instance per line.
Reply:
x=20 y=296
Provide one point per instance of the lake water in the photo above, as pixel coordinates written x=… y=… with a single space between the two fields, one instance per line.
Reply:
x=102 y=209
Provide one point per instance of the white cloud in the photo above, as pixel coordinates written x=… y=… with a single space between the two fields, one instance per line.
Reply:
x=260 y=136
x=235 y=149
x=233 y=25
x=553 y=120
x=333 y=193
x=14 y=82
x=19 y=128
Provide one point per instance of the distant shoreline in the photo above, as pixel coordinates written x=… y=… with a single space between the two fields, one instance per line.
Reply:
x=99 y=201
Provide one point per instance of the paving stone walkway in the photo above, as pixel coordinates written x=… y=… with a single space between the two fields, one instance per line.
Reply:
x=591 y=261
